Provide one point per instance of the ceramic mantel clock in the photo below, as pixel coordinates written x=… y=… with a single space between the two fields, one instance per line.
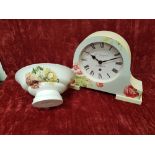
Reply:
x=102 y=62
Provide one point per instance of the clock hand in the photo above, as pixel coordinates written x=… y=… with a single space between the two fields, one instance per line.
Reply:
x=100 y=62
x=109 y=60
x=93 y=57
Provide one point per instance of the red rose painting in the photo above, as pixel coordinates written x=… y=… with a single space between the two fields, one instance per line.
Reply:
x=130 y=91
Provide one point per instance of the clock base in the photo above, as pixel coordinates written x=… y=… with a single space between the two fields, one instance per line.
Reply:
x=129 y=99
x=137 y=100
x=132 y=93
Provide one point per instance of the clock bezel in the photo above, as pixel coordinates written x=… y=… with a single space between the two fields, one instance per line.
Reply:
x=109 y=40
x=93 y=78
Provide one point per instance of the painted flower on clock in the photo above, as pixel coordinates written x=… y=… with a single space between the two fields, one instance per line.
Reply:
x=81 y=81
x=76 y=67
x=99 y=84
x=77 y=70
x=130 y=91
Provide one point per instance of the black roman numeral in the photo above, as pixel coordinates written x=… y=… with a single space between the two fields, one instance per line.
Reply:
x=108 y=75
x=92 y=45
x=92 y=73
x=115 y=70
x=99 y=76
x=116 y=54
x=102 y=45
x=86 y=52
x=86 y=67
x=119 y=63
x=110 y=48
x=83 y=59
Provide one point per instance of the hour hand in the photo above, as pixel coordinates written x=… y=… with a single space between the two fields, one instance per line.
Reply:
x=93 y=57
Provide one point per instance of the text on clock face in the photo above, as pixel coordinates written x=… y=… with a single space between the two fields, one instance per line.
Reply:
x=101 y=60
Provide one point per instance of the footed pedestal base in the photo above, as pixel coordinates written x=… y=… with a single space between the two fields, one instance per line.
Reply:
x=47 y=98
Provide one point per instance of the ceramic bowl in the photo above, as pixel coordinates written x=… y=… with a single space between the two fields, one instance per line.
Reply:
x=2 y=73
x=46 y=82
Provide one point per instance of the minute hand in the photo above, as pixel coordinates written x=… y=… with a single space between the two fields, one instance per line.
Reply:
x=111 y=59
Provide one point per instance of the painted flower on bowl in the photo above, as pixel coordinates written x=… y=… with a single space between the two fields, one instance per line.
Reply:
x=130 y=91
x=40 y=74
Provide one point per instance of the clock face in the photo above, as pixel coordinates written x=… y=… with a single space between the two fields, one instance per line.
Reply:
x=101 y=61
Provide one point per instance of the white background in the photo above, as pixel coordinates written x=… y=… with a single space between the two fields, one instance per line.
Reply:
x=77 y=145
x=77 y=9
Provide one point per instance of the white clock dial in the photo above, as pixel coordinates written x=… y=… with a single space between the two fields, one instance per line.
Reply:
x=101 y=61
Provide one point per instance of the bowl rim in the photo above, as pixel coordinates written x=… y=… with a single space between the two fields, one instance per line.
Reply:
x=28 y=66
